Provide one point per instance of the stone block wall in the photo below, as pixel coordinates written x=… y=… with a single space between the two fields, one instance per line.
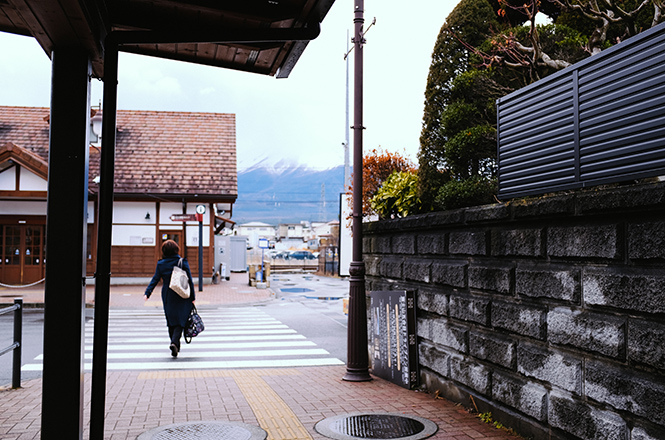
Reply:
x=549 y=312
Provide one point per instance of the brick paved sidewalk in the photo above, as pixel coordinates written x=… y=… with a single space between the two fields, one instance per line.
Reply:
x=287 y=403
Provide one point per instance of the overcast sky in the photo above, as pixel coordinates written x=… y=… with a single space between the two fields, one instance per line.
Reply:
x=301 y=118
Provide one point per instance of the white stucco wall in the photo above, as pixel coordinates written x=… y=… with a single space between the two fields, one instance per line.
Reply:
x=193 y=236
x=31 y=182
x=133 y=235
x=131 y=228
x=134 y=213
x=8 y=180
x=10 y=207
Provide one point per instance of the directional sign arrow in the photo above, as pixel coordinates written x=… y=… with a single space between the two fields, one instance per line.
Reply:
x=183 y=217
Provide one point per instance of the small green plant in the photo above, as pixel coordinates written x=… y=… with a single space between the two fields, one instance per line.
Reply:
x=475 y=191
x=486 y=417
x=398 y=196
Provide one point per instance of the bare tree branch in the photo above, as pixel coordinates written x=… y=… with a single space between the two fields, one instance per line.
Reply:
x=610 y=13
x=658 y=10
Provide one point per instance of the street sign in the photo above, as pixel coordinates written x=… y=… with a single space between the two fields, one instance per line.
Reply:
x=393 y=340
x=183 y=217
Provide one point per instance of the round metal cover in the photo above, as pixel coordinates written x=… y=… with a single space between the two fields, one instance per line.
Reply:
x=377 y=426
x=205 y=431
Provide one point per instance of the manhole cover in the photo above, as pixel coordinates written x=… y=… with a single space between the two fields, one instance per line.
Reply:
x=378 y=426
x=205 y=431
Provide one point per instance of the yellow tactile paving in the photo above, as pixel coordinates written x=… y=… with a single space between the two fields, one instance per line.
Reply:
x=272 y=413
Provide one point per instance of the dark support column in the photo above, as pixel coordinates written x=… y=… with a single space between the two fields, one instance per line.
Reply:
x=357 y=366
x=104 y=228
x=66 y=222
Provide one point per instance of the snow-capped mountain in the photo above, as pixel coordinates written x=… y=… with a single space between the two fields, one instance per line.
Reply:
x=283 y=193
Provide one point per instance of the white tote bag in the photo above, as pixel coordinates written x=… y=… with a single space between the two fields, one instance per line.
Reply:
x=179 y=281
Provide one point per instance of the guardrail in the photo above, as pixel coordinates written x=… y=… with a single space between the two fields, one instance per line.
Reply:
x=17 y=308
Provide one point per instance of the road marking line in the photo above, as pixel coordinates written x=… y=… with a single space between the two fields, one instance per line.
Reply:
x=213 y=354
x=178 y=364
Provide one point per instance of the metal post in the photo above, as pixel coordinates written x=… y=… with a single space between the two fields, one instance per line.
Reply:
x=200 y=252
x=357 y=368
x=104 y=230
x=18 y=339
x=347 y=179
x=66 y=231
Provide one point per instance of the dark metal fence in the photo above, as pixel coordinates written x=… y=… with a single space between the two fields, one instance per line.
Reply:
x=329 y=260
x=599 y=121
x=17 y=308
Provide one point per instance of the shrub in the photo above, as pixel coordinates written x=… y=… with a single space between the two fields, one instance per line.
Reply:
x=398 y=196
x=470 y=192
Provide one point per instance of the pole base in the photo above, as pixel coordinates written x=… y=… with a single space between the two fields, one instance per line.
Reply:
x=357 y=375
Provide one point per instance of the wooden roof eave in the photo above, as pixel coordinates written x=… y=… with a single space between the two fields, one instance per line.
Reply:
x=175 y=197
x=146 y=43
x=88 y=24
x=24 y=158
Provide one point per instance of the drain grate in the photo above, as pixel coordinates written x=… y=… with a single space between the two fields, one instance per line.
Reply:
x=377 y=426
x=205 y=431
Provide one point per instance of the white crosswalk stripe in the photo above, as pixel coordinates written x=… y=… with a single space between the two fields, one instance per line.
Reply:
x=233 y=338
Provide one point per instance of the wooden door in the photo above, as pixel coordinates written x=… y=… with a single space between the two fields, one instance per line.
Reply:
x=22 y=248
x=171 y=235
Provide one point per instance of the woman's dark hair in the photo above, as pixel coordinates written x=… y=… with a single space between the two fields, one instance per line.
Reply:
x=170 y=248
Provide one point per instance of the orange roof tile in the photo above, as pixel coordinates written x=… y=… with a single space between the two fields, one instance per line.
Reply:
x=169 y=155
x=25 y=158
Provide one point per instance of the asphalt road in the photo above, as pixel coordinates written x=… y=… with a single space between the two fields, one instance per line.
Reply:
x=33 y=337
x=311 y=305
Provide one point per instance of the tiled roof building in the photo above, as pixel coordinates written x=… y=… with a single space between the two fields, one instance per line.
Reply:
x=172 y=154
x=166 y=163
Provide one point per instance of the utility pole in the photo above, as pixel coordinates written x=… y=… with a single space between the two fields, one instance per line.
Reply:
x=347 y=172
x=357 y=366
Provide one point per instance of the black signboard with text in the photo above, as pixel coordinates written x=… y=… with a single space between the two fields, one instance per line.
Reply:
x=393 y=347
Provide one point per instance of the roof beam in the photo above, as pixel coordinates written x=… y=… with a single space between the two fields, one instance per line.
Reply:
x=240 y=36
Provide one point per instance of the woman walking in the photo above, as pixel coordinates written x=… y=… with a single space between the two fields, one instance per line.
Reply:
x=176 y=308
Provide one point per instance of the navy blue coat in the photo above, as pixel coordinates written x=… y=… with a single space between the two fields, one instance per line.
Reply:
x=176 y=308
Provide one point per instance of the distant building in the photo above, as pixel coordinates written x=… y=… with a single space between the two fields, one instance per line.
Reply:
x=292 y=235
x=324 y=234
x=292 y=230
x=255 y=230
x=166 y=163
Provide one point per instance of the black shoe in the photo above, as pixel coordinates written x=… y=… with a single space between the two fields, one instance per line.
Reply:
x=174 y=350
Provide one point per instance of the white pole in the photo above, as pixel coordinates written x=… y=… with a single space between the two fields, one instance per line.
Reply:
x=347 y=172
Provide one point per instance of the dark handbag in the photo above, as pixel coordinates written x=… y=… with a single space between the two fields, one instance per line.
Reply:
x=194 y=325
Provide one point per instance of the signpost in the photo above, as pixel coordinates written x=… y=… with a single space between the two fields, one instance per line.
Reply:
x=393 y=338
x=263 y=244
x=200 y=210
x=184 y=217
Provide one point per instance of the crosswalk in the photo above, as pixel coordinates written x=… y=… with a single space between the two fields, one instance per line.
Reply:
x=233 y=338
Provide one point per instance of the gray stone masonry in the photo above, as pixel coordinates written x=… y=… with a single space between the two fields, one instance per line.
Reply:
x=550 y=311
x=469 y=243
x=646 y=340
x=528 y=398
